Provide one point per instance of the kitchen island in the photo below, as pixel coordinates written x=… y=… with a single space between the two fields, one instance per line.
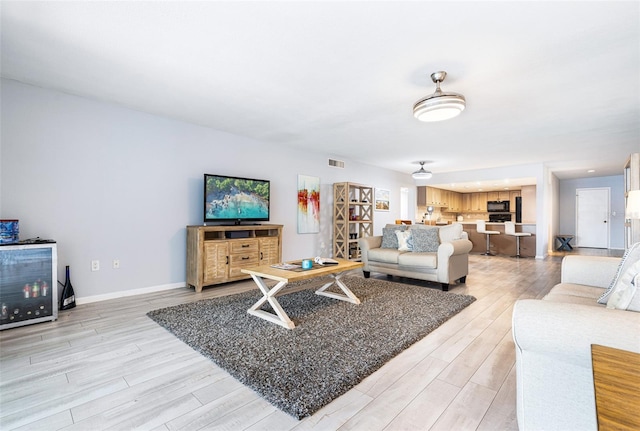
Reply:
x=502 y=244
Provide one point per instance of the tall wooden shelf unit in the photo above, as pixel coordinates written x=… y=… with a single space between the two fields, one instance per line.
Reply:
x=631 y=182
x=352 y=218
x=216 y=254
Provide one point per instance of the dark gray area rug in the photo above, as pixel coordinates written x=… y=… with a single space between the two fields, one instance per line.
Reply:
x=334 y=345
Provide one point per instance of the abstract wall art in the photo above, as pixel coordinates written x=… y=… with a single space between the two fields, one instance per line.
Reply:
x=308 y=204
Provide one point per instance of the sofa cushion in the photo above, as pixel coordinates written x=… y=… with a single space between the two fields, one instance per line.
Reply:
x=384 y=255
x=389 y=238
x=579 y=290
x=425 y=240
x=626 y=295
x=450 y=232
x=571 y=299
x=571 y=293
x=418 y=260
x=630 y=257
x=405 y=242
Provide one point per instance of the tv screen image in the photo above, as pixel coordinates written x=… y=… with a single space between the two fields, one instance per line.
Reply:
x=235 y=199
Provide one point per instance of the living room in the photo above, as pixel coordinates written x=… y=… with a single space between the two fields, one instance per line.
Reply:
x=110 y=182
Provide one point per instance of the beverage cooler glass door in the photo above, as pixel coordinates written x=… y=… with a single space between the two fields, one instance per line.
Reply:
x=28 y=284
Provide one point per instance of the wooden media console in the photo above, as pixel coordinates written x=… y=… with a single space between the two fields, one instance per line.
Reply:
x=217 y=254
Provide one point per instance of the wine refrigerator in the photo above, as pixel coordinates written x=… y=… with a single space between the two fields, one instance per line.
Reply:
x=28 y=284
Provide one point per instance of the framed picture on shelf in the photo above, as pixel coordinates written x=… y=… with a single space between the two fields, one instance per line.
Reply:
x=382 y=200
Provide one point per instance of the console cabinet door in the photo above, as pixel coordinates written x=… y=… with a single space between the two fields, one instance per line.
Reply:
x=216 y=262
x=269 y=251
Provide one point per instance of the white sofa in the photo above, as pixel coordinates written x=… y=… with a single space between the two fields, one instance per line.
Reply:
x=446 y=263
x=553 y=339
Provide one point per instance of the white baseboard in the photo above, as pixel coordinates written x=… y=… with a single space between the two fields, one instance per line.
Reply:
x=124 y=293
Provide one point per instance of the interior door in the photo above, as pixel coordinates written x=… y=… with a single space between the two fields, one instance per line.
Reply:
x=592 y=218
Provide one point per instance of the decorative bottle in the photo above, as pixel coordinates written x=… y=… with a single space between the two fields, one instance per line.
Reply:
x=68 y=299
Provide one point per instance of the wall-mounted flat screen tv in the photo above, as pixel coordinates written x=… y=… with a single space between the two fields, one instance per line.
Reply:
x=235 y=199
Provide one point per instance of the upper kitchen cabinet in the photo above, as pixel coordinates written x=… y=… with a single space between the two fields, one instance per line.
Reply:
x=431 y=196
x=498 y=196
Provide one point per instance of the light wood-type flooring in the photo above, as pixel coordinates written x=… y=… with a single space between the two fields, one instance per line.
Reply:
x=106 y=366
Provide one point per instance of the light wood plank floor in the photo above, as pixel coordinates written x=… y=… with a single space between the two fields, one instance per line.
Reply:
x=106 y=366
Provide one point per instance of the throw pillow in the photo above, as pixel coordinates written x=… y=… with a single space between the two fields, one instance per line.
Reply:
x=389 y=238
x=425 y=239
x=626 y=295
x=630 y=257
x=405 y=242
x=451 y=232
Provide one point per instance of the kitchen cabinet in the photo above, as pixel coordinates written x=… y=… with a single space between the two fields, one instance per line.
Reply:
x=466 y=202
x=431 y=196
x=498 y=196
x=479 y=202
x=455 y=202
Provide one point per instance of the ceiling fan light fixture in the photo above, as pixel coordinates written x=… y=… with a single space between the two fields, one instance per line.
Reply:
x=440 y=105
x=421 y=174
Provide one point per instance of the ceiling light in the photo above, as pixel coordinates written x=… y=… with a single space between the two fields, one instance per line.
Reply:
x=421 y=174
x=440 y=105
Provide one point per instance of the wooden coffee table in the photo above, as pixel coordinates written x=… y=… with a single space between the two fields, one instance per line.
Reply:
x=616 y=378
x=284 y=277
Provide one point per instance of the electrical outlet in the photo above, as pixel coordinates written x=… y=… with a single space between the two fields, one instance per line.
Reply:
x=116 y=263
x=95 y=265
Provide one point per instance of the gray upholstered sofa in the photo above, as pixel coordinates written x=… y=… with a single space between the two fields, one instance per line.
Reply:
x=443 y=258
x=553 y=339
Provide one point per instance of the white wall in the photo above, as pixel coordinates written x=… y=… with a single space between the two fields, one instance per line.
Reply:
x=111 y=183
x=616 y=216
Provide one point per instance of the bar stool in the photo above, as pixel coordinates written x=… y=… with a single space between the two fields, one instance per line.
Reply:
x=510 y=229
x=481 y=227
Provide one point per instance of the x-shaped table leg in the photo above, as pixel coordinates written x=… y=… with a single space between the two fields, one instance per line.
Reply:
x=348 y=296
x=280 y=318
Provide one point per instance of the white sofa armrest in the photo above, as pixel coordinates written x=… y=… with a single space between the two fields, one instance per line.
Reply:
x=597 y=271
x=452 y=248
x=554 y=388
x=366 y=244
x=566 y=331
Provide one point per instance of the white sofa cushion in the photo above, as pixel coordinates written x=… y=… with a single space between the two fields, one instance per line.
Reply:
x=579 y=290
x=418 y=260
x=451 y=232
x=625 y=294
x=384 y=255
x=631 y=256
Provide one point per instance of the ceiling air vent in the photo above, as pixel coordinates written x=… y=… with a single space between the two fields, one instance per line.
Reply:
x=336 y=163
